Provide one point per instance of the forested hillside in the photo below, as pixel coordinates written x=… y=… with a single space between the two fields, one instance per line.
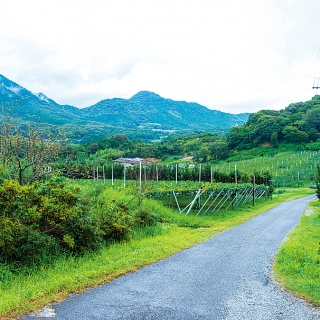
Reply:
x=298 y=123
x=291 y=128
x=146 y=115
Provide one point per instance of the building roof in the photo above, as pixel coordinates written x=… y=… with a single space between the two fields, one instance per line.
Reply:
x=131 y=161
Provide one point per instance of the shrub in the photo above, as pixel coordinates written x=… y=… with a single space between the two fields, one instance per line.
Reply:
x=145 y=216
x=116 y=220
x=81 y=233
x=38 y=220
x=9 y=232
x=119 y=214
x=6 y=273
x=35 y=247
x=45 y=219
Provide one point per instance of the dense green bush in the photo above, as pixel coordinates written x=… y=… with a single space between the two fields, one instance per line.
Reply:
x=10 y=230
x=120 y=213
x=38 y=222
x=35 y=247
x=34 y=220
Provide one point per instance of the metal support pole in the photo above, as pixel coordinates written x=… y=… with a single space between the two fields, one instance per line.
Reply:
x=176 y=201
x=194 y=200
x=253 y=187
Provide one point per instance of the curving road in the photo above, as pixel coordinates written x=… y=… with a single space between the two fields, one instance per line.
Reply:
x=226 y=277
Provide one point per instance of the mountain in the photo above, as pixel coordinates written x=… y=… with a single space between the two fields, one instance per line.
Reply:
x=145 y=115
x=28 y=106
x=147 y=107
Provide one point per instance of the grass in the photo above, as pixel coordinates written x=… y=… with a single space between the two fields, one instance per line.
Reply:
x=32 y=289
x=297 y=266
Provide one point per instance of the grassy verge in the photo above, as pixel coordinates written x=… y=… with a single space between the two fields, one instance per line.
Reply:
x=297 y=266
x=33 y=289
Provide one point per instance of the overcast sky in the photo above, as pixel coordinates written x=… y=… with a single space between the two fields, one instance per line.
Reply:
x=229 y=55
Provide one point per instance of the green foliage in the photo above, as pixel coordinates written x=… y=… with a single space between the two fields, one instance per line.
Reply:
x=35 y=247
x=9 y=231
x=119 y=214
x=298 y=123
x=188 y=151
x=35 y=218
x=41 y=221
x=288 y=168
x=294 y=135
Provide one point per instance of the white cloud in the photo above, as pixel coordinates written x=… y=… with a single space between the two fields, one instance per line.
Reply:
x=235 y=56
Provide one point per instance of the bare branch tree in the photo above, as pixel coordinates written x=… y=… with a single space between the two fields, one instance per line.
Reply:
x=27 y=154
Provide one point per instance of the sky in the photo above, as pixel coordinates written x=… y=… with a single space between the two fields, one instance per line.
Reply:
x=229 y=55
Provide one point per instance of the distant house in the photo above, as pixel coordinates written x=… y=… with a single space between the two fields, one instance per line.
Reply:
x=131 y=161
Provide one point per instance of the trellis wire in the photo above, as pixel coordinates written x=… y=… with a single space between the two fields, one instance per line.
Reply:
x=212 y=201
x=229 y=194
x=241 y=197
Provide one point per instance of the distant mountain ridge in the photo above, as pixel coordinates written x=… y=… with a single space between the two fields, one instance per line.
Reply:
x=145 y=114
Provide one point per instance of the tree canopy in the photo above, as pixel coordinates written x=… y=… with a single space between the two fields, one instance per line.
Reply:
x=297 y=123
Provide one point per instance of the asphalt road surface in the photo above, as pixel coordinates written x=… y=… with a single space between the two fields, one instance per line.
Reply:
x=226 y=277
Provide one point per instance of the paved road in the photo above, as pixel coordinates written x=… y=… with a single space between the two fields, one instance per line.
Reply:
x=226 y=277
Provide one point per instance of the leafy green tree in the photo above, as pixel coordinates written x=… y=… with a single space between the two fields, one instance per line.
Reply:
x=265 y=127
x=219 y=150
x=236 y=137
x=313 y=118
x=202 y=155
x=313 y=134
x=274 y=139
x=294 y=135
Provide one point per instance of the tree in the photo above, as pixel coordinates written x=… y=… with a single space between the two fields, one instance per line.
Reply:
x=274 y=139
x=313 y=134
x=265 y=127
x=219 y=150
x=313 y=118
x=294 y=135
x=202 y=155
x=27 y=154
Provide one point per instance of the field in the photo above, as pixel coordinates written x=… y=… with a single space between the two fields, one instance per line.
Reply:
x=183 y=213
x=32 y=288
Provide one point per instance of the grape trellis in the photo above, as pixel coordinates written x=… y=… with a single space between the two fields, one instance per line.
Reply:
x=210 y=197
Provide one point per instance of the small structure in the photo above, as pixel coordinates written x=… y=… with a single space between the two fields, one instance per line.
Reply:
x=131 y=161
x=316 y=83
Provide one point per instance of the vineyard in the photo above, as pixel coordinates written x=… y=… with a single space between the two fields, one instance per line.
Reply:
x=206 y=188
x=212 y=198
x=189 y=197
x=287 y=169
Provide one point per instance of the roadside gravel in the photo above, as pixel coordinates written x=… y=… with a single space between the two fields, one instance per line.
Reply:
x=226 y=277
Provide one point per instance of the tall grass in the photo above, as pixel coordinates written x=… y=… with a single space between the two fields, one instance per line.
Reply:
x=297 y=266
